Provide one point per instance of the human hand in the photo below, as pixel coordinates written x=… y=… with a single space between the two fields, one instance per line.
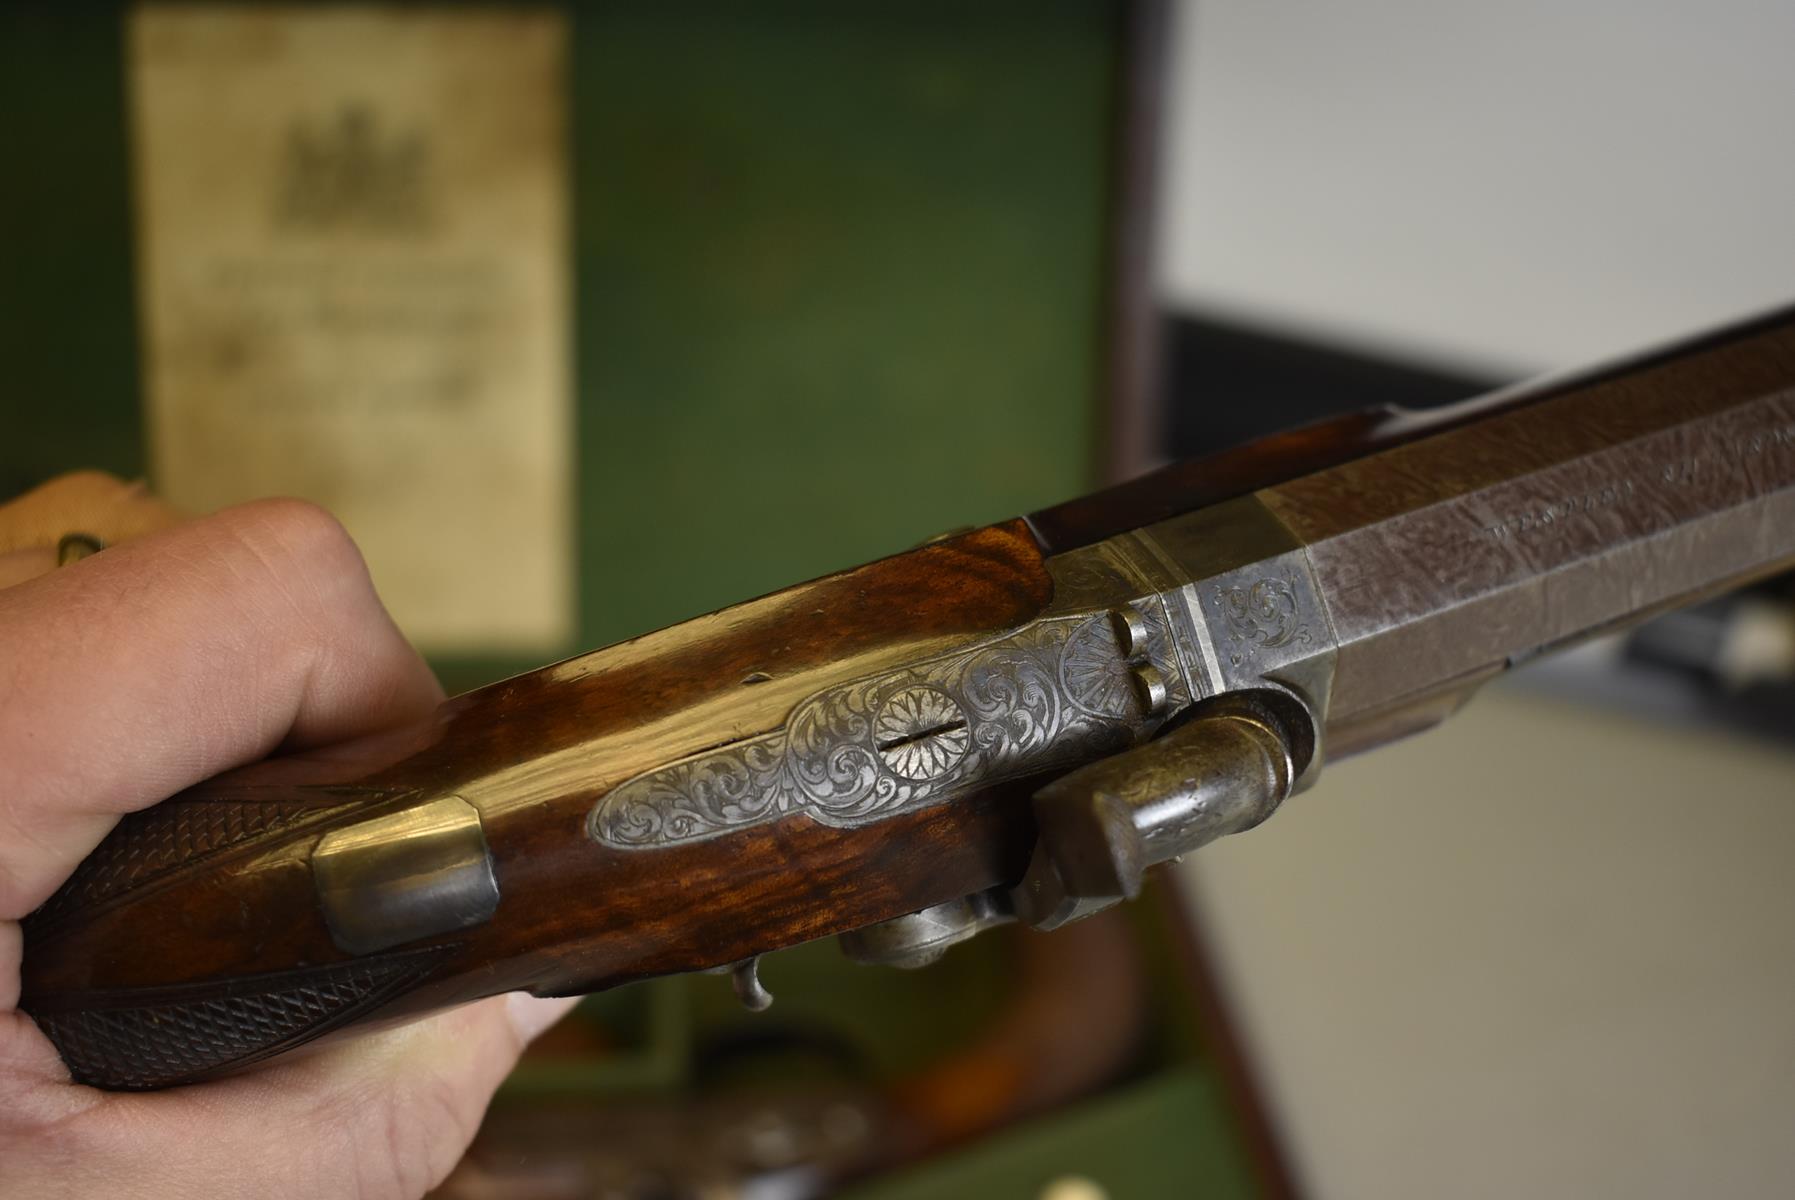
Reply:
x=125 y=678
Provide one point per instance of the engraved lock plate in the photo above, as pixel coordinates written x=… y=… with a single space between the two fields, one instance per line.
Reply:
x=407 y=875
x=1061 y=690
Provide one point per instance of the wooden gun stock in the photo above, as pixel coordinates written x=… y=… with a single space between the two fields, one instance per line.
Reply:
x=1011 y=723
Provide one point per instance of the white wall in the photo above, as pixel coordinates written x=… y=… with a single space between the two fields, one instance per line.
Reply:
x=1541 y=951
x=1520 y=185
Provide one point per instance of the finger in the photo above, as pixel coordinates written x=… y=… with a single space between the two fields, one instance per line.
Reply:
x=156 y=664
x=383 y=1115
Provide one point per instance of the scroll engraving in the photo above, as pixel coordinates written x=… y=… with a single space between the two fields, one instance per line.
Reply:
x=1056 y=691
x=1263 y=612
x=1261 y=618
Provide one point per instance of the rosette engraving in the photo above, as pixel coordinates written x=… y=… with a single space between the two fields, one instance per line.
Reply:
x=1094 y=669
x=921 y=733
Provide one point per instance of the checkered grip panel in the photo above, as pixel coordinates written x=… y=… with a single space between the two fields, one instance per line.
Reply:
x=158 y=1044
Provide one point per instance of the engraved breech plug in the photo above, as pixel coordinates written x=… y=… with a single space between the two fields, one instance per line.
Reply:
x=1223 y=771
